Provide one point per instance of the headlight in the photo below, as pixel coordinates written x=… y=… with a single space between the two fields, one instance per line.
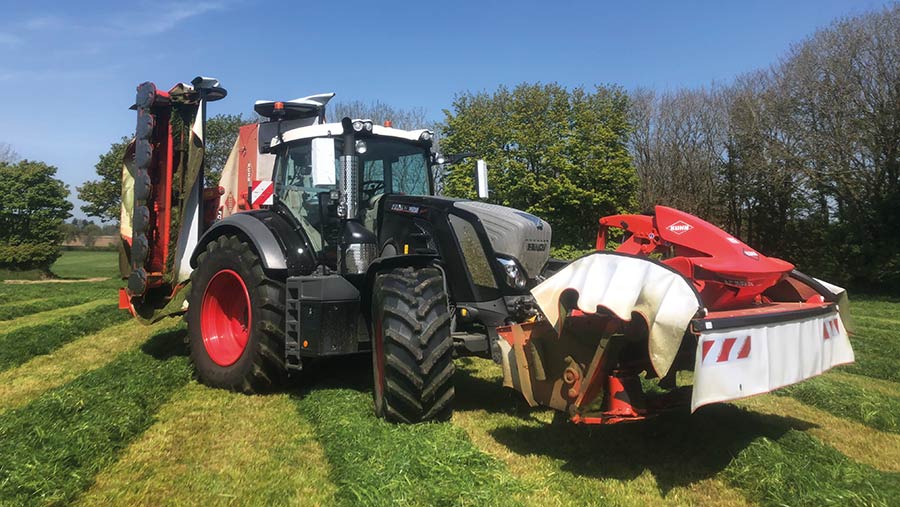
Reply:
x=368 y=126
x=514 y=276
x=425 y=136
x=357 y=125
x=361 y=147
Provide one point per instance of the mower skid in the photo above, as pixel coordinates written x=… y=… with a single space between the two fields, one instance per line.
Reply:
x=749 y=352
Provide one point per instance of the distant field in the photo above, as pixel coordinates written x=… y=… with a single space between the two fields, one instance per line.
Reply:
x=87 y=264
x=73 y=264
x=96 y=409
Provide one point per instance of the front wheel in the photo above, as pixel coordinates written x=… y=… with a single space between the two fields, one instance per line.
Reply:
x=412 y=352
x=235 y=319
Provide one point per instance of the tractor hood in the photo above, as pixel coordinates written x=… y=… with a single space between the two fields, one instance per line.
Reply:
x=514 y=233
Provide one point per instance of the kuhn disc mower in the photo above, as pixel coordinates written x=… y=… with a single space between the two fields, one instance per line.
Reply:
x=677 y=294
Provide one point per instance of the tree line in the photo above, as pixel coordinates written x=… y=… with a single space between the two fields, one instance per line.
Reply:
x=801 y=159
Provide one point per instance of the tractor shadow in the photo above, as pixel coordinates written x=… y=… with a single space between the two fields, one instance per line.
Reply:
x=164 y=345
x=678 y=448
x=347 y=372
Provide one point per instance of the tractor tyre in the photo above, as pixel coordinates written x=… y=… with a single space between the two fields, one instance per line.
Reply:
x=235 y=319
x=412 y=350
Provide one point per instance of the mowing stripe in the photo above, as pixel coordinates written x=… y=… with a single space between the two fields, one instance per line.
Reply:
x=796 y=469
x=877 y=350
x=885 y=387
x=20 y=345
x=10 y=293
x=858 y=442
x=877 y=320
x=42 y=317
x=31 y=306
x=213 y=447
x=378 y=463
x=51 y=448
x=857 y=402
x=22 y=384
x=627 y=464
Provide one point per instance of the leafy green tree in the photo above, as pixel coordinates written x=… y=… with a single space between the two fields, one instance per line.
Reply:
x=221 y=132
x=103 y=196
x=556 y=153
x=33 y=206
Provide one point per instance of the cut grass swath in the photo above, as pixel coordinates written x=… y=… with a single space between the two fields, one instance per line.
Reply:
x=378 y=463
x=23 y=383
x=20 y=345
x=27 y=307
x=8 y=326
x=798 y=470
x=18 y=292
x=856 y=402
x=877 y=348
x=213 y=447
x=51 y=449
x=858 y=442
x=672 y=459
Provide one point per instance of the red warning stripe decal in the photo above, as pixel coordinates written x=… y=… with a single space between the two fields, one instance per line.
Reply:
x=831 y=328
x=262 y=193
x=726 y=350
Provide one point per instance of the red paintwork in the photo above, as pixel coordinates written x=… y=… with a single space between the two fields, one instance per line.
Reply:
x=159 y=202
x=225 y=317
x=726 y=272
x=247 y=159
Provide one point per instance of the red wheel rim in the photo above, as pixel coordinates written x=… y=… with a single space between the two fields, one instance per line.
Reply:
x=225 y=317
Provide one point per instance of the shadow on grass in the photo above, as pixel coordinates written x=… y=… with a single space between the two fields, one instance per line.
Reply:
x=166 y=345
x=677 y=448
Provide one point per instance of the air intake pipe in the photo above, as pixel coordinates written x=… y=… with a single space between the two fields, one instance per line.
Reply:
x=358 y=246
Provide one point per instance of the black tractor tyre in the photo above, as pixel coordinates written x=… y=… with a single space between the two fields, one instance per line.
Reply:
x=232 y=300
x=412 y=350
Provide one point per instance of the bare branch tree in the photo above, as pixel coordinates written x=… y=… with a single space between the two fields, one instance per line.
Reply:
x=8 y=154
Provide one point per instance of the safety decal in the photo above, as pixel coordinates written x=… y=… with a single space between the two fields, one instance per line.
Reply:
x=724 y=350
x=831 y=328
x=262 y=193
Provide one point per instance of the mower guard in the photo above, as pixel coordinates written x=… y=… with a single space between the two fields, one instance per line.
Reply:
x=746 y=352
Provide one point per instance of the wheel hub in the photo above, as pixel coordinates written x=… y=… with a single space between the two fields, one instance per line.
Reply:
x=225 y=317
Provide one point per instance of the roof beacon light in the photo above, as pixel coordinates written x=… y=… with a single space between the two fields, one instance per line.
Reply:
x=279 y=106
x=388 y=123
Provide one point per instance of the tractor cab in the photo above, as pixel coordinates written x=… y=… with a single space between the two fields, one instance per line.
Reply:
x=308 y=183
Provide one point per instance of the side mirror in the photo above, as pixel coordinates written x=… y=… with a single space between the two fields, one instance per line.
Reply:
x=481 y=179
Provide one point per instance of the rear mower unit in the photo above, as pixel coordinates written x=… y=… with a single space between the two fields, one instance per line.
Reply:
x=677 y=294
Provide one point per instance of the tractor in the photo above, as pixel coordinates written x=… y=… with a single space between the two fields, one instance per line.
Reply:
x=343 y=249
x=327 y=239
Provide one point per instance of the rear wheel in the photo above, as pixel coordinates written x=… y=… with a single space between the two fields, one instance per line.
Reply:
x=412 y=351
x=235 y=319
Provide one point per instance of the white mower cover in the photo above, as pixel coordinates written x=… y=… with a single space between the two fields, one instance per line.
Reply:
x=623 y=285
x=736 y=363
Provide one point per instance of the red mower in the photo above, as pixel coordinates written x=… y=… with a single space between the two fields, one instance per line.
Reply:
x=678 y=294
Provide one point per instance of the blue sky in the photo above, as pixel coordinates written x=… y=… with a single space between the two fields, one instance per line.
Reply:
x=68 y=69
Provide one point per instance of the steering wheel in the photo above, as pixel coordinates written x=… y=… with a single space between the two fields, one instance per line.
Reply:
x=371 y=188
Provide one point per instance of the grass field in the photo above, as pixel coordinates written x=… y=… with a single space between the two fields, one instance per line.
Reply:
x=98 y=410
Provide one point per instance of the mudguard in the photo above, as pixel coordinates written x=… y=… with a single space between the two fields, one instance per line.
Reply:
x=252 y=229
